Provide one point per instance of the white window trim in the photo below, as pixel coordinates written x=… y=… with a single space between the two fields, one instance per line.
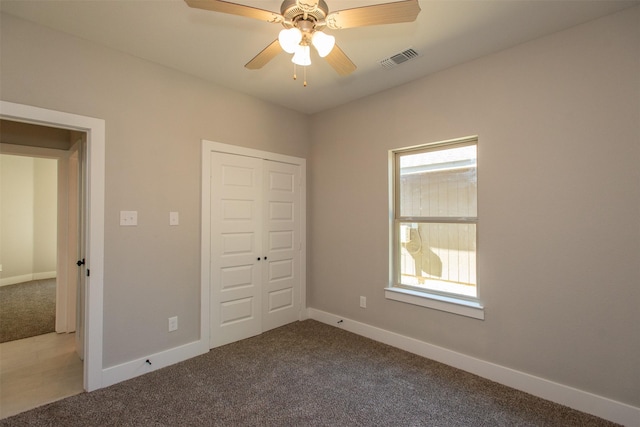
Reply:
x=446 y=303
x=438 y=302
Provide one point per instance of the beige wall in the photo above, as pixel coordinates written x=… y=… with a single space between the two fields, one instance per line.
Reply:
x=17 y=216
x=45 y=214
x=558 y=121
x=155 y=121
x=28 y=218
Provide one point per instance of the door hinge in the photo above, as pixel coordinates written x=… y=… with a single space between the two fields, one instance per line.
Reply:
x=88 y=272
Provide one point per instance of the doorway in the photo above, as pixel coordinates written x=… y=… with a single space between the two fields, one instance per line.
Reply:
x=92 y=269
x=41 y=221
x=28 y=254
x=42 y=234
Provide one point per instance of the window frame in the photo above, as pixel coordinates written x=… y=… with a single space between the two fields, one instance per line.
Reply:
x=439 y=300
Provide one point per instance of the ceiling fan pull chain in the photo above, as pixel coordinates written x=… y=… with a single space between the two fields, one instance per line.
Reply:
x=304 y=74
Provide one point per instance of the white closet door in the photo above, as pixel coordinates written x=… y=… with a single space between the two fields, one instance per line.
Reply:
x=236 y=248
x=281 y=269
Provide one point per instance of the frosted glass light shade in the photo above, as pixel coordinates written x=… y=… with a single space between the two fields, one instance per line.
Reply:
x=302 y=56
x=323 y=43
x=289 y=39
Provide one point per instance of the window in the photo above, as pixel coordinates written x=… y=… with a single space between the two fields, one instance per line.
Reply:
x=434 y=226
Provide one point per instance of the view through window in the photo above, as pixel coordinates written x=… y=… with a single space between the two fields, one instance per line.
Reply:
x=435 y=219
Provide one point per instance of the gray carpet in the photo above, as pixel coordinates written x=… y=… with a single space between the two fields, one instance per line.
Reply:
x=305 y=374
x=27 y=309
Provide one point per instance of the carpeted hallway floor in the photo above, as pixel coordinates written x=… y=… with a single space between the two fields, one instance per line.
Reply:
x=27 y=309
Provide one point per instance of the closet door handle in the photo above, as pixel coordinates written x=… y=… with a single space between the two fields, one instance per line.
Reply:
x=258 y=258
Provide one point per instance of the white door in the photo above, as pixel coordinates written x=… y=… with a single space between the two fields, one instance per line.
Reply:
x=73 y=239
x=281 y=270
x=255 y=226
x=81 y=247
x=236 y=248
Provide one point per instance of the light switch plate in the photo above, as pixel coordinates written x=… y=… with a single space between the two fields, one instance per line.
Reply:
x=128 y=218
x=174 y=218
x=173 y=323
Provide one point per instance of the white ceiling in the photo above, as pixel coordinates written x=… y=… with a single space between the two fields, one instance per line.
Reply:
x=215 y=46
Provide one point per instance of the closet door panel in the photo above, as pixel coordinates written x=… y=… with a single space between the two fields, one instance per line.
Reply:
x=236 y=245
x=281 y=272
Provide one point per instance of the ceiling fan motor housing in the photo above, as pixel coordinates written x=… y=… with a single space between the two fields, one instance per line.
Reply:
x=293 y=12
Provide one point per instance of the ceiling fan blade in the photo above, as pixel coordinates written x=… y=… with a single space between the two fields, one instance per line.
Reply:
x=236 y=9
x=340 y=61
x=266 y=55
x=385 y=13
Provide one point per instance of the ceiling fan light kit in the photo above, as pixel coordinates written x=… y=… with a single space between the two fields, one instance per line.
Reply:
x=323 y=43
x=302 y=56
x=289 y=39
x=303 y=22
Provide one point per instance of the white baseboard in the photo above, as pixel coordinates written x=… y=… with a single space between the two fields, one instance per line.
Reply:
x=45 y=275
x=6 y=281
x=128 y=370
x=580 y=400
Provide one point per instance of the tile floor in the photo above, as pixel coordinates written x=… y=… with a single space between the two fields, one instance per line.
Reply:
x=38 y=370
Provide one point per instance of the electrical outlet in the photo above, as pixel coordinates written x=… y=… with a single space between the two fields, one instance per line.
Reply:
x=363 y=302
x=128 y=218
x=173 y=323
x=174 y=218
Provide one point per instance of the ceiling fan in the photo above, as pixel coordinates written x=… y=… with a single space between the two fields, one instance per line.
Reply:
x=303 y=22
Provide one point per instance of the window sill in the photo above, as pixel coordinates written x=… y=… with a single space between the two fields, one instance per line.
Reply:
x=437 y=302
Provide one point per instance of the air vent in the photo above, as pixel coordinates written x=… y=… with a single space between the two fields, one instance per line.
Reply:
x=399 y=58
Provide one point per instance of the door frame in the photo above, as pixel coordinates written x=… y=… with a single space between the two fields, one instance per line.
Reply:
x=95 y=130
x=205 y=229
